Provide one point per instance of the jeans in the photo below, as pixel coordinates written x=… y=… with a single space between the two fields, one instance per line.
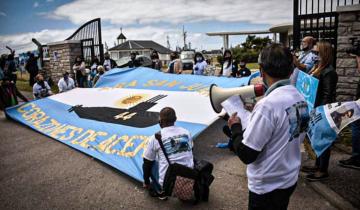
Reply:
x=275 y=200
x=355 y=129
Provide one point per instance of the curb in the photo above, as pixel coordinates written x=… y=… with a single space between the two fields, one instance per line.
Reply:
x=331 y=196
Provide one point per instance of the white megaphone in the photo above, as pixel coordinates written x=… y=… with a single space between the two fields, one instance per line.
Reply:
x=218 y=95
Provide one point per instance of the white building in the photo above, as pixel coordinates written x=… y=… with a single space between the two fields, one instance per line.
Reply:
x=142 y=47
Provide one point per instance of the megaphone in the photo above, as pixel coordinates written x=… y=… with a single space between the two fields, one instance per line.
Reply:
x=218 y=94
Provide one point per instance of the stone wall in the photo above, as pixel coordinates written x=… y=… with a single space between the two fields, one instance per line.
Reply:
x=66 y=52
x=346 y=66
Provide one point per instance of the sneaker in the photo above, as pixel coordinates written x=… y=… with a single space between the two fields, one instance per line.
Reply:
x=309 y=169
x=317 y=176
x=162 y=196
x=350 y=163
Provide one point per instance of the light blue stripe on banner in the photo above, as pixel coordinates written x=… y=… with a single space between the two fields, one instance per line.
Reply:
x=320 y=133
x=117 y=145
x=146 y=78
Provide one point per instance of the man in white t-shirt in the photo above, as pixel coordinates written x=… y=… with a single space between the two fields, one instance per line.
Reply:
x=66 y=83
x=270 y=145
x=178 y=145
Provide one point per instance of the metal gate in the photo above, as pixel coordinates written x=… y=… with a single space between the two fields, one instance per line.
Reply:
x=90 y=36
x=318 y=19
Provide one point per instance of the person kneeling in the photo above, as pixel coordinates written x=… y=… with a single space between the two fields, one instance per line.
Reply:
x=41 y=88
x=170 y=146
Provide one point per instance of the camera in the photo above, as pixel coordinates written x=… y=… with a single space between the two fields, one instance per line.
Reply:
x=355 y=49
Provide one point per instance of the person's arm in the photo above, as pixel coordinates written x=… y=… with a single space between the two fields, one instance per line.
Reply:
x=36 y=92
x=60 y=86
x=249 y=144
x=147 y=168
x=246 y=154
x=48 y=88
x=149 y=158
x=329 y=87
x=298 y=64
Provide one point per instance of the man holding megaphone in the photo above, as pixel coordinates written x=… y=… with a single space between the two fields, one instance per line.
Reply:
x=270 y=145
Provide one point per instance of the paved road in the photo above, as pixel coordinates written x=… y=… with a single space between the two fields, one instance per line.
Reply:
x=37 y=172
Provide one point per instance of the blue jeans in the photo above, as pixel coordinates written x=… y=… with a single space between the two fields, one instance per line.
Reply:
x=355 y=129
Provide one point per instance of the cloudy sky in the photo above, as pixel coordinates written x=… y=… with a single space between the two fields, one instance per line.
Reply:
x=55 y=20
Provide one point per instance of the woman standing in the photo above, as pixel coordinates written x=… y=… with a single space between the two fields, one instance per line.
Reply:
x=326 y=94
x=227 y=65
x=156 y=62
x=80 y=72
x=93 y=71
x=199 y=64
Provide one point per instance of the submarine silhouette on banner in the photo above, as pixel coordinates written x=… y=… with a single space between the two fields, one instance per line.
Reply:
x=136 y=116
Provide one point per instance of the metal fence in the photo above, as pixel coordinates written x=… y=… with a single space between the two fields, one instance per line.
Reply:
x=317 y=18
x=90 y=36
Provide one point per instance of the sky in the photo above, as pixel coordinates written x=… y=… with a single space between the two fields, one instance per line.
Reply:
x=55 y=20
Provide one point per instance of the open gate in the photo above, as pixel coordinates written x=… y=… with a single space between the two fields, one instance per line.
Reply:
x=318 y=19
x=89 y=35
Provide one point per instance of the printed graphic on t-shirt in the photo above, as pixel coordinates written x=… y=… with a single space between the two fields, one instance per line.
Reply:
x=177 y=144
x=298 y=119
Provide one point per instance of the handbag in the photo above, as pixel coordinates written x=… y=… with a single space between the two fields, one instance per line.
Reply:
x=179 y=179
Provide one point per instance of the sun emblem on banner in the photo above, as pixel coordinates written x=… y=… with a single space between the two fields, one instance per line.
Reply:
x=131 y=100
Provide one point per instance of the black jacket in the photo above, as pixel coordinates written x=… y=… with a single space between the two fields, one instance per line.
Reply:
x=131 y=64
x=326 y=92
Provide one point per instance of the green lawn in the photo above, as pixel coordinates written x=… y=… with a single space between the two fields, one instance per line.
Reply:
x=252 y=65
x=22 y=83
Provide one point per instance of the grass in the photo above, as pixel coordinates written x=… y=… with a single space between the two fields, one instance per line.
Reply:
x=22 y=83
x=252 y=65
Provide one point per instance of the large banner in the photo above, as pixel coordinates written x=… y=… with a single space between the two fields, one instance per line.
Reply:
x=327 y=121
x=113 y=124
x=146 y=78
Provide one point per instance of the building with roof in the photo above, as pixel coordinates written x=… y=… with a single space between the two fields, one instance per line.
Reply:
x=142 y=47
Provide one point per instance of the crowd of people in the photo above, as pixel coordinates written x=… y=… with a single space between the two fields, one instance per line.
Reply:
x=272 y=153
x=268 y=146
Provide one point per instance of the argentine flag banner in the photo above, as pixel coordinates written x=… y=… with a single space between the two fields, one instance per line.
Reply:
x=114 y=121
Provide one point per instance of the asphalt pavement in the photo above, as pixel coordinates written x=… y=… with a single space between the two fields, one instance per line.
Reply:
x=37 y=172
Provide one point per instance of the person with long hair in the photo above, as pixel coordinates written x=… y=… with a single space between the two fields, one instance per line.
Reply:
x=227 y=65
x=155 y=61
x=199 y=64
x=326 y=94
x=80 y=72
x=175 y=65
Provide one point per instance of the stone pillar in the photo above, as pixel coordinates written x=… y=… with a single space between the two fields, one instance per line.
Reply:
x=346 y=66
x=62 y=58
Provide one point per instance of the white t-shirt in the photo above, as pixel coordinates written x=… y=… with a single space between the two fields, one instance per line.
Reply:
x=227 y=70
x=274 y=129
x=178 y=145
x=63 y=86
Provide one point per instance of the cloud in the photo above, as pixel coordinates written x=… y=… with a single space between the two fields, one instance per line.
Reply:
x=22 y=42
x=36 y=4
x=177 y=11
x=49 y=0
x=3 y=14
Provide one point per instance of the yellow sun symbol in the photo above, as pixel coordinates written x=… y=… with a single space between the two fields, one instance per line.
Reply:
x=130 y=101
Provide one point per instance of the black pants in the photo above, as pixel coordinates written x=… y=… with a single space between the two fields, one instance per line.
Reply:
x=274 y=200
x=322 y=162
x=32 y=78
